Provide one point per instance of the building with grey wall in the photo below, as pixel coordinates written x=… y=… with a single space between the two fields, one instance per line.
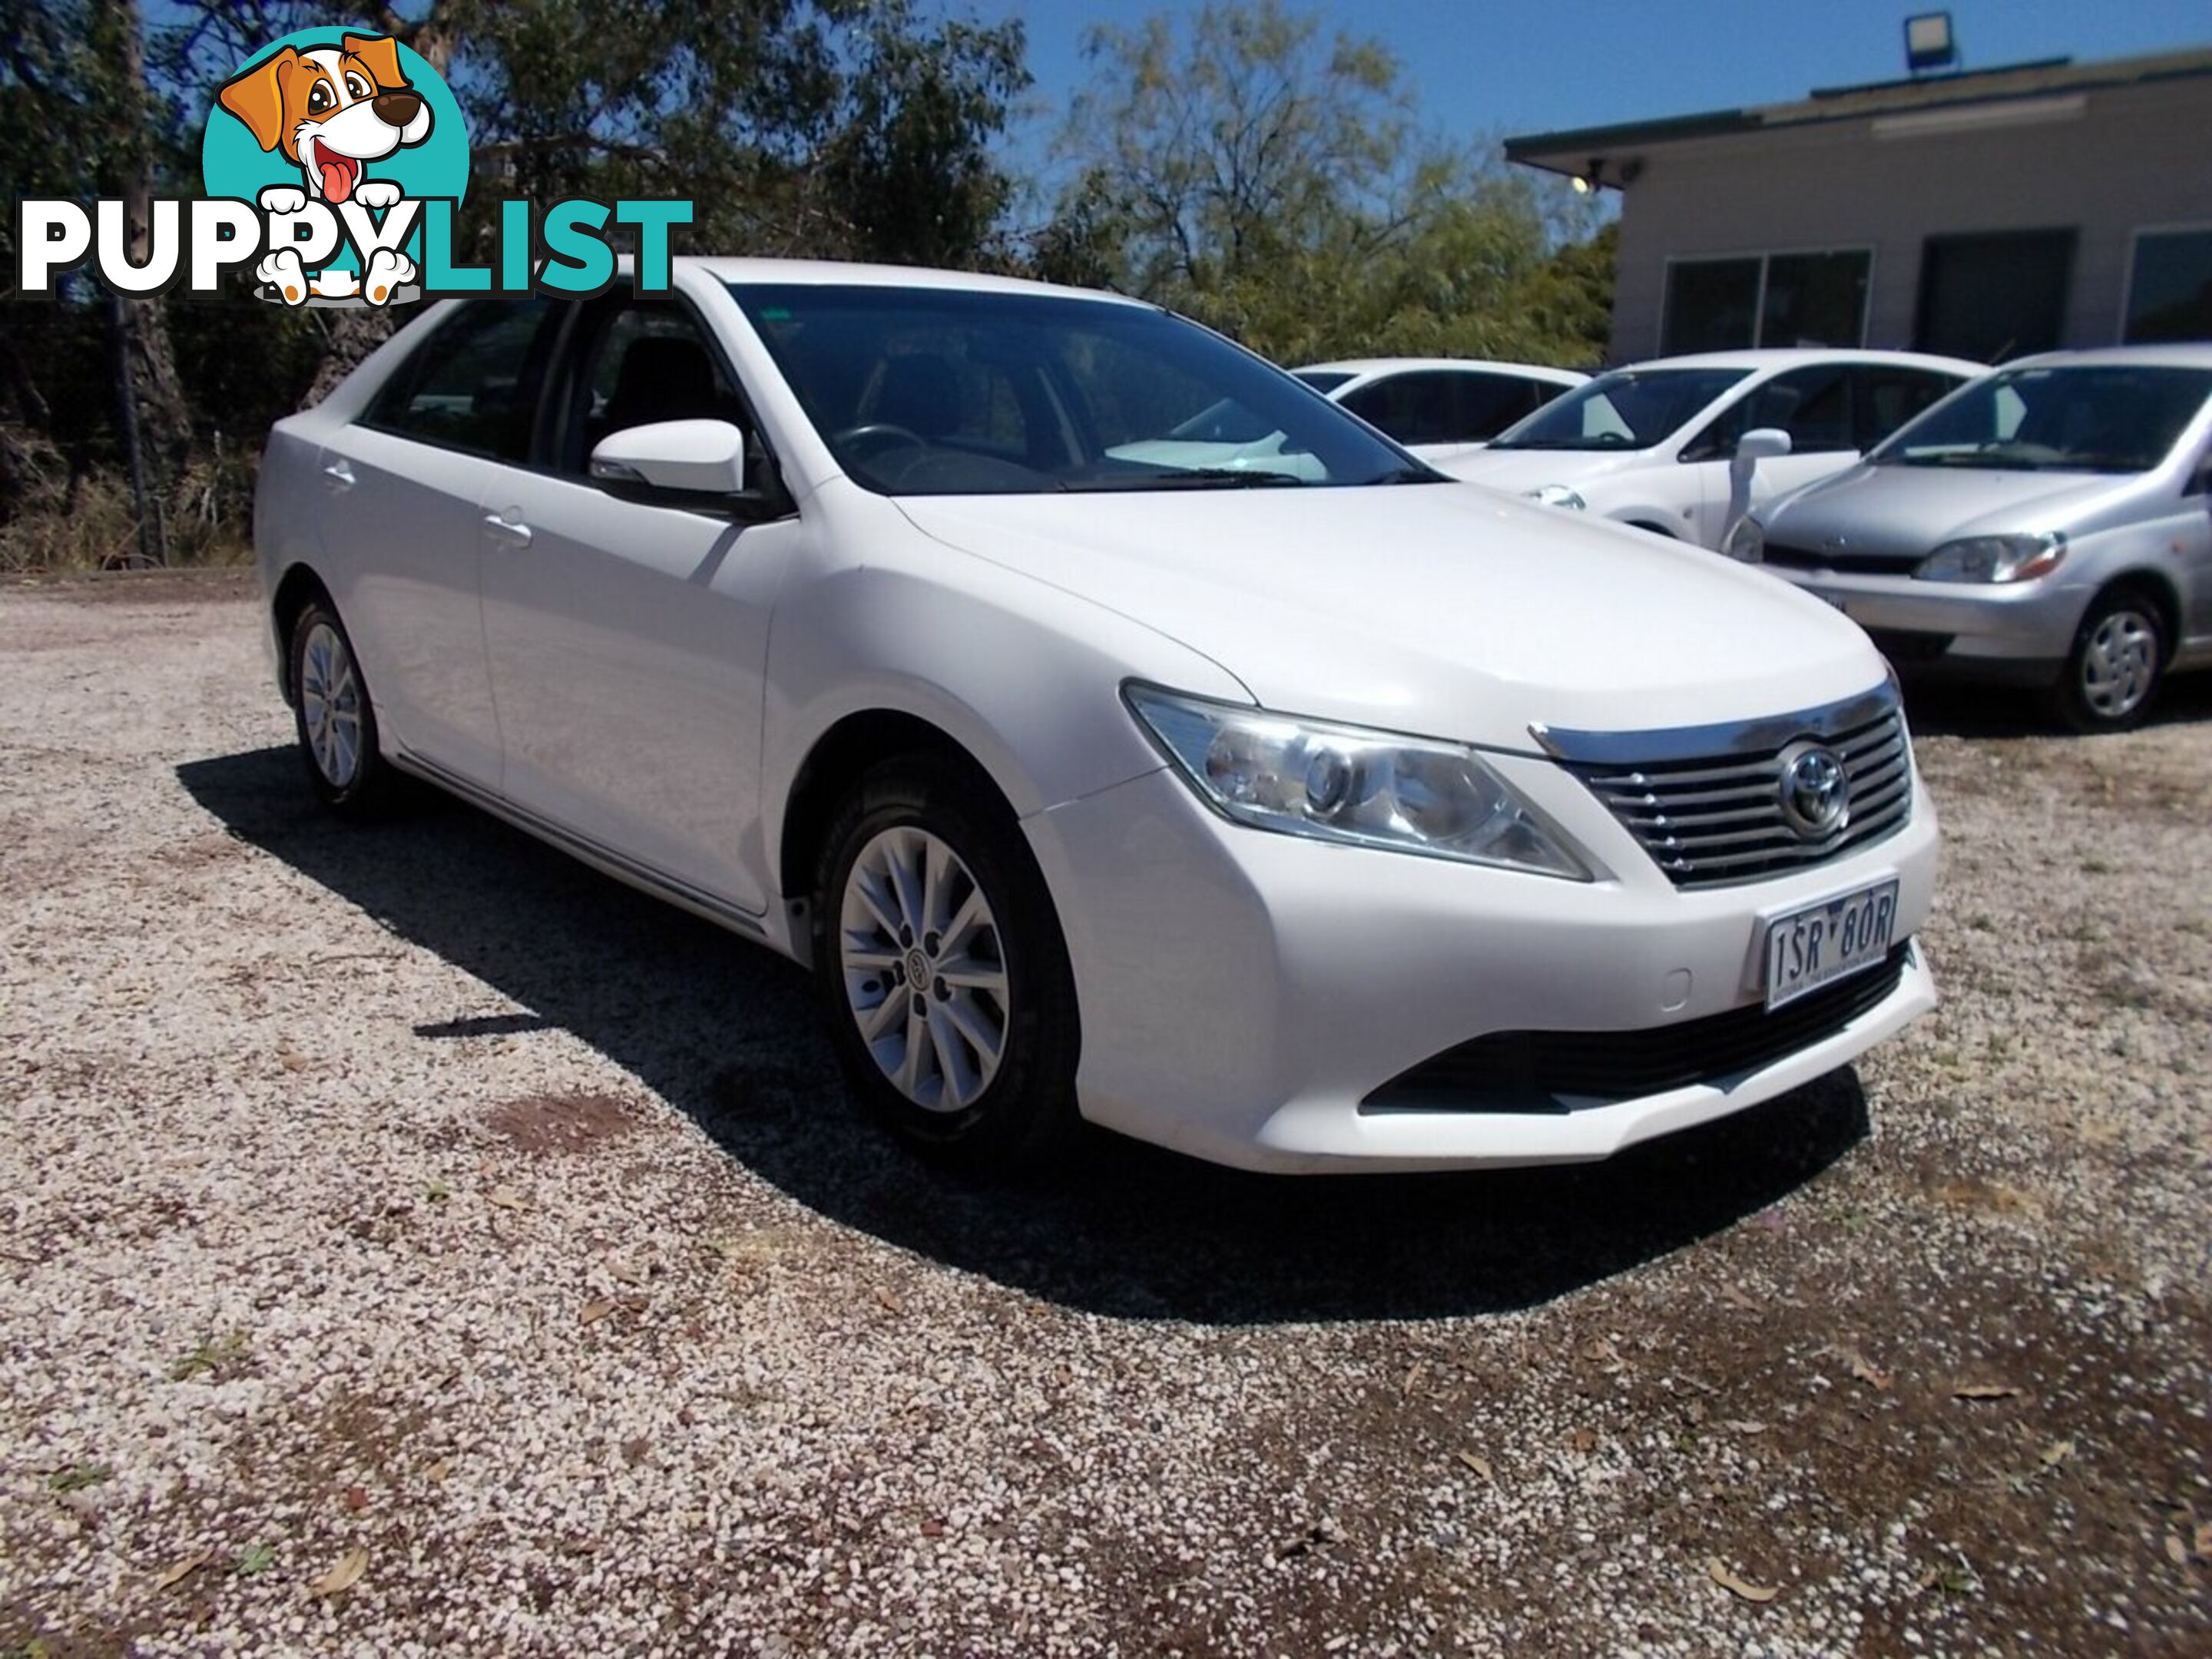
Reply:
x=1985 y=215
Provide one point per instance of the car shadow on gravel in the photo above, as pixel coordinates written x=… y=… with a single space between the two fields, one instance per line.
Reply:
x=1952 y=709
x=732 y=1035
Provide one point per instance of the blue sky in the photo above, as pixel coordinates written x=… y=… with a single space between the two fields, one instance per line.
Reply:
x=1518 y=66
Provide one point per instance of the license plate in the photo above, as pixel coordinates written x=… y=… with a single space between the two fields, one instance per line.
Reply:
x=1831 y=940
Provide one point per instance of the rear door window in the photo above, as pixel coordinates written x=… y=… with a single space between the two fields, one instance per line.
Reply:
x=1488 y=404
x=473 y=385
x=1420 y=408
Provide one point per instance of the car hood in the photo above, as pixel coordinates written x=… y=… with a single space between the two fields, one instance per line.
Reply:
x=1895 y=511
x=1431 y=609
x=1517 y=472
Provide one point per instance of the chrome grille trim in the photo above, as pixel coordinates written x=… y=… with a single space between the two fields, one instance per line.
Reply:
x=1709 y=812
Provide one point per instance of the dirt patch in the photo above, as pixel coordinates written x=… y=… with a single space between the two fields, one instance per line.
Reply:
x=194 y=584
x=551 y=1126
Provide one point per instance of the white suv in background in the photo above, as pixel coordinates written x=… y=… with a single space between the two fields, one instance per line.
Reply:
x=1649 y=445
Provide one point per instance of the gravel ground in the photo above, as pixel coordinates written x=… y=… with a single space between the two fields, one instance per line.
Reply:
x=415 y=1242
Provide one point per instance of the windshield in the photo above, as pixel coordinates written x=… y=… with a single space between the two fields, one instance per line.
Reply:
x=2089 y=418
x=1628 y=409
x=958 y=391
x=1322 y=379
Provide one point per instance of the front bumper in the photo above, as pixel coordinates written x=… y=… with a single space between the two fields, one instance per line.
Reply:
x=2004 y=631
x=1242 y=991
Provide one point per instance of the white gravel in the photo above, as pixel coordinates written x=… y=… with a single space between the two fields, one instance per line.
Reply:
x=412 y=1190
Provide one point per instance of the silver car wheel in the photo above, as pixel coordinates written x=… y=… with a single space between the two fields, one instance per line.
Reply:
x=330 y=705
x=924 y=969
x=2120 y=663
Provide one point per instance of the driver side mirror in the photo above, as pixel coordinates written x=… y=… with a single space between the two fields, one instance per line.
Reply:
x=707 y=467
x=1762 y=443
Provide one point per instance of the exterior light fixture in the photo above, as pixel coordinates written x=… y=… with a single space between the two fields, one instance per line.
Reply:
x=1929 y=43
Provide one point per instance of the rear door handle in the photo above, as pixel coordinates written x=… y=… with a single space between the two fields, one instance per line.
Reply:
x=339 y=474
x=514 y=535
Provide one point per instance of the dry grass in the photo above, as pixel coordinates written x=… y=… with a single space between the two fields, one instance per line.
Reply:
x=90 y=523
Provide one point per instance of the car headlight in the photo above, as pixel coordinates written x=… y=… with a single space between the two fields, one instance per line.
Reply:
x=1557 y=495
x=1994 y=559
x=1342 y=783
x=1747 y=541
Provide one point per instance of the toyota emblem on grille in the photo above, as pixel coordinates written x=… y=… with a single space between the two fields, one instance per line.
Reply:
x=1815 y=790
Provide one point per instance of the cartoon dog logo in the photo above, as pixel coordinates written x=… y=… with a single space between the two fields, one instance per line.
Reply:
x=332 y=110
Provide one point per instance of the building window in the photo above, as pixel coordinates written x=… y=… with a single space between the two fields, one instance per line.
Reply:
x=1815 y=299
x=1994 y=296
x=2170 y=291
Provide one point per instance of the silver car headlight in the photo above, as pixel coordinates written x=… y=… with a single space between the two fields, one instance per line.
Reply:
x=1994 y=559
x=1343 y=783
x=1558 y=495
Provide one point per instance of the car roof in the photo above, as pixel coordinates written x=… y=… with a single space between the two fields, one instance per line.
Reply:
x=1372 y=366
x=2179 y=355
x=1777 y=357
x=835 y=272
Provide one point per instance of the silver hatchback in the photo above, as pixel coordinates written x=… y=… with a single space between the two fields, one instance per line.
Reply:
x=2050 y=525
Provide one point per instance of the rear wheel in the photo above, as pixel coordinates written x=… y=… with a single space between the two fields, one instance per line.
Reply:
x=935 y=943
x=2120 y=653
x=333 y=716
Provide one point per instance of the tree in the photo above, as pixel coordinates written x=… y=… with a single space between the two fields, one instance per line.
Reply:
x=78 y=115
x=829 y=128
x=1272 y=181
x=1244 y=140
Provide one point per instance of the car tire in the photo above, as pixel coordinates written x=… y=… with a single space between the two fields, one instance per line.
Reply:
x=2112 y=674
x=335 y=717
x=924 y=872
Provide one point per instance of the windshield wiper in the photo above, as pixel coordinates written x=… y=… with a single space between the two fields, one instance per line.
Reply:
x=1189 y=478
x=1401 y=475
x=1974 y=457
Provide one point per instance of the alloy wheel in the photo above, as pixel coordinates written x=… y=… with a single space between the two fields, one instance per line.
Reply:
x=2119 y=663
x=923 y=969
x=330 y=705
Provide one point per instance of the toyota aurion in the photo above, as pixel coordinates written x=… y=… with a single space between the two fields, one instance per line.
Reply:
x=1332 y=817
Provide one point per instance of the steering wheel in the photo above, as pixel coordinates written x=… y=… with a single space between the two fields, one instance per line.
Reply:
x=872 y=435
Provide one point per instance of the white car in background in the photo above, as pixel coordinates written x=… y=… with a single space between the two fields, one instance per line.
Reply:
x=1437 y=407
x=1650 y=445
x=1356 y=820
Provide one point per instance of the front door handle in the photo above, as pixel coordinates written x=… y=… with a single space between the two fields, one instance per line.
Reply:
x=339 y=474
x=506 y=530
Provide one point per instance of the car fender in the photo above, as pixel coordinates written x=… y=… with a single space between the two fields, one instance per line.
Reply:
x=1024 y=675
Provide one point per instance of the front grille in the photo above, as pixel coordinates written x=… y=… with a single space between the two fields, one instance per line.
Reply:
x=1785 y=556
x=1542 y=1071
x=1710 y=819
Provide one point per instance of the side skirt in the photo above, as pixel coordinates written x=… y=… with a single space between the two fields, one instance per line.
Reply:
x=602 y=858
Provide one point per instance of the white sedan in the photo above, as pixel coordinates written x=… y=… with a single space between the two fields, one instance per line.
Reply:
x=1437 y=407
x=1346 y=819
x=1650 y=445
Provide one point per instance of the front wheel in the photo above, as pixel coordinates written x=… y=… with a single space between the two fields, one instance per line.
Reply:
x=333 y=716
x=936 y=947
x=2113 y=671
